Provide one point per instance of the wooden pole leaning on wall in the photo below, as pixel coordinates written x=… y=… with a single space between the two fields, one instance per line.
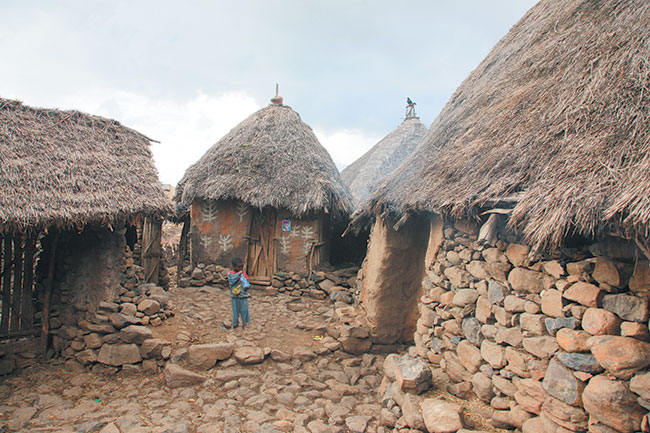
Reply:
x=47 y=296
x=7 y=263
x=182 y=250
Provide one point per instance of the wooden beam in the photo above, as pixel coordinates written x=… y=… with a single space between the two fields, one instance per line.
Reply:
x=7 y=263
x=47 y=296
x=182 y=250
x=27 y=313
x=16 y=295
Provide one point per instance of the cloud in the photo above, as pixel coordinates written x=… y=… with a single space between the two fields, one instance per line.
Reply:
x=185 y=129
x=346 y=145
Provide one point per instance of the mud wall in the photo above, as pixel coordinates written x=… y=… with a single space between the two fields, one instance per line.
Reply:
x=553 y=343
x=391 y=278
x=295 y=239
x=218 y=231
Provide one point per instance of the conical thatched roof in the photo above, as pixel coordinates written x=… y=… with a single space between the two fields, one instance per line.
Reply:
x=558 y=113
x=363 y=174
x=66 y=168
x=270 y=159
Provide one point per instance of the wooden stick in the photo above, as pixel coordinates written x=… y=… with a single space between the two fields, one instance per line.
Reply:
x=642 y=247
x=7 y=263
x=16 y=295
x=27 y=320
x=45 y=325
x=182 y=248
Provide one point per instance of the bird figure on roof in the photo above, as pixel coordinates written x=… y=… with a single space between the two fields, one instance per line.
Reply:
x=408 y=101
x=410 y=108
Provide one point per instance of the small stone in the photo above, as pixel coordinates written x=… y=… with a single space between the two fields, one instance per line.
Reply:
x=514 y=304
x=205 y=356
x=247 y=355
x=526 y=281
x=635 y=330
x=640 y=384
x=532 y=324
x=542 y=347
x=511 y=336
x=483 y=309
x=440 y=416
x=496 y=292
x=482 y=386
x=493 y=354
x=412 y=374
x=564 y=415
x=598 y=321
x=580 y=361
x=554 y=268
x=472 y=330
x=86 y=357
x=562 y=384
x=119 y=354
x=469 y=356
x=177 y=377
x=552 y=303
x=149 y=307
x=553 y=325
x=504 y=385
x=627 y=307
x=517 y=254
x=584 y=293
x=606 y=272
x=356 y=424
x=571 y=340
x=640 y=280
x=135 y=334
x=478 y=269
x=465 y=297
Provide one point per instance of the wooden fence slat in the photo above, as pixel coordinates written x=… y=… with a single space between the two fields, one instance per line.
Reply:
x=27 y=313
x=14 y=322
x=7 y=259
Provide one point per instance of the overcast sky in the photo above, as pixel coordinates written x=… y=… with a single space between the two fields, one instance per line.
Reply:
x=185 y=73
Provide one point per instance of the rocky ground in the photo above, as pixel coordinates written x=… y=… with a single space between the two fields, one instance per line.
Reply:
x=304 y=386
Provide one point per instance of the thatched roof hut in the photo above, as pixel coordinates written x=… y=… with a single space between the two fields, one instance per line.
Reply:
x=555 y=120
x=363 y=174
x=267 y=192
x=273 y=159
x=68 y=169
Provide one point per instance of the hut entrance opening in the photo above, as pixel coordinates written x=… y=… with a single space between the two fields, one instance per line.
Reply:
x=261 y=259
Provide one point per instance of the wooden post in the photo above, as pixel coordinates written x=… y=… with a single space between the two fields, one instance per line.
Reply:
x=47 y=296
x=182 y=249
x=16 y=296
x=7 y=263
x=151 y=249
x=27 y=314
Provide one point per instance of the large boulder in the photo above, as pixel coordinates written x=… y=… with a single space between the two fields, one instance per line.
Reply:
x=526 y=281
x=611 y=403
x=627 y=307
x=562 y=384
x=620 y=356
x=247 y=355
x=135 y=334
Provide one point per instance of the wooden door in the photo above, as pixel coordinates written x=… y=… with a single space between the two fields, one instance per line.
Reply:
x=260 y=259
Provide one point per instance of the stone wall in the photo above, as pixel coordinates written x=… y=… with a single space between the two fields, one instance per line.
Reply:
x=100 y=306
x=553 y=343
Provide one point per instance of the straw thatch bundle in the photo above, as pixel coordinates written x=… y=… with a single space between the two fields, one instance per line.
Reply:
x=270 y=159
x=68 y=169
x=558 y=115
x=363 y=174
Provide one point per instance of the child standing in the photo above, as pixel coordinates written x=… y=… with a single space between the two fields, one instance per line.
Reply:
x=239 y=285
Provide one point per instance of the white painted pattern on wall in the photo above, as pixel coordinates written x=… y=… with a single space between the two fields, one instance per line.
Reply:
x=242 y=211
x=225 y=243
x=285 y=244
x=209 y=211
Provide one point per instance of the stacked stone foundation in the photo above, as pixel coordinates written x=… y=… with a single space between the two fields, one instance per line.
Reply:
x=553 y=343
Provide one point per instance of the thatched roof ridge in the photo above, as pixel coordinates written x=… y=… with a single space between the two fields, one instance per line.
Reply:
x=272 y=158
x=363 y=174
x=558 y=112
x=68 y=169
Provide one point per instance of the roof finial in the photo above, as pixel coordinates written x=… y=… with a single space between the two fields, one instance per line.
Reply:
x=277 y=99
x=410 y=109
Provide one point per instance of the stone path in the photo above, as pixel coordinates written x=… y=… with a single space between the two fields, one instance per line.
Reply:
x=313 y=389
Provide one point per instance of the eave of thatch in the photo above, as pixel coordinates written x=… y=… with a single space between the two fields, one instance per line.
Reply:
x=69 y=169
x=274 y=159
x=557 y=112
x=363 y=174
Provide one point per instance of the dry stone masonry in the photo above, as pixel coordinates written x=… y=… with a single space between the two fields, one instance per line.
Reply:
x=553 y=343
